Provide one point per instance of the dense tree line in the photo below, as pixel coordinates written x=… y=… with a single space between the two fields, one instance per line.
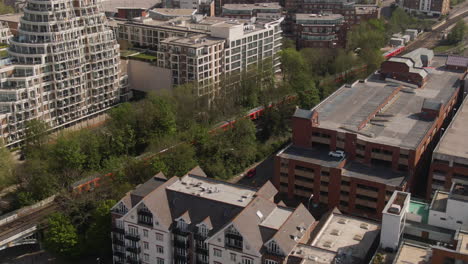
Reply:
x=457 y=34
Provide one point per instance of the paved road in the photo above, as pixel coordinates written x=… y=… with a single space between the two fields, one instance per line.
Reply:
x=264 y=172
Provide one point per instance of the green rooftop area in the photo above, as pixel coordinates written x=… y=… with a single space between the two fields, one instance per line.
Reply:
x=138 y=55
x=419 y=208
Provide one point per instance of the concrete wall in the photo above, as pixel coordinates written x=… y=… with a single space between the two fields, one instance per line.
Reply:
x=145 y=77
x=456 y=211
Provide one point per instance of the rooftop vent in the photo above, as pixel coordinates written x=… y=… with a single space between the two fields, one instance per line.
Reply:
x=357 y=237
x=343 y=221
x=365 y=226
x=328 y=244
x=313 y=258
x=336 y=232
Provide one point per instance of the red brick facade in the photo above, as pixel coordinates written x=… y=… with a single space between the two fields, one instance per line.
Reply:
x=334 y=187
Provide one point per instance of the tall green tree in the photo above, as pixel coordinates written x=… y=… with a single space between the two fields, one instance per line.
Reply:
x=36 y=137
x=458 y=32
x=7 y=166
x=61 y=236
x=98 y=235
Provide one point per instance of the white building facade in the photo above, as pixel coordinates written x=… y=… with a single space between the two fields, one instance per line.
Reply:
x=64 y=66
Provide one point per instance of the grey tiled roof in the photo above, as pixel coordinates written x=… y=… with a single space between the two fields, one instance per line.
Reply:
x=457 y=61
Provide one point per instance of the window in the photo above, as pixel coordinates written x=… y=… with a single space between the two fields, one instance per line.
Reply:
x=247 y=260
x=159 y=237
x=145 y=245
x=217 y=252
x=145 y=233
x=203 y=230
x=146 y=257
x=460 y=222
x=160 y=250
x=233 y=257
x=159 y=261
x=443 y=218
x=273 y=248
x=269 y=261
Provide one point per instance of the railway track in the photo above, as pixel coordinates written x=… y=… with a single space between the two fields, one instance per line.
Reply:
x=432 y=38
x=26 y=221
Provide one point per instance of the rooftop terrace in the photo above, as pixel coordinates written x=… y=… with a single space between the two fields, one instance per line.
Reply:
x=409 y=253
x=309 y=155
x=384 y=112
x=348 y=236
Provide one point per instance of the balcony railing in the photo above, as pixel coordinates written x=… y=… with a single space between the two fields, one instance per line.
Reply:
x=131 y=260
x=181 y=232
x=181 y=244
x=134 y=249
x=117 y=240
x=133 y=237
x=118 y=230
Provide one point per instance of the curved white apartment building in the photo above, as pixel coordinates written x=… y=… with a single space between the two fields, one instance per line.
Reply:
x=64 y=66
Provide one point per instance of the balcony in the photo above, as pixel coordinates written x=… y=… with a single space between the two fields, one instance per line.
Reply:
x=131 y=260
x=117 y=241
x=133 y=237
x=134 y=249
x=197 y=236
x=181 y=243
x=203 y=251
x=118 y=230
x=119 y=254
x=180 y=232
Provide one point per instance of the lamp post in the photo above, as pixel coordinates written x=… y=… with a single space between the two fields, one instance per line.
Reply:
x=308 y=203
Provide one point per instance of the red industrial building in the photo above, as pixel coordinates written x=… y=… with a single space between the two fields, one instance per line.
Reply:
x=368 y=139
x=450 y=158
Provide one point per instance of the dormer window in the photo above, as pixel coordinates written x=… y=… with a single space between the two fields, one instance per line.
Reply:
x=182 y=225
x=203 y=230
x=145 y=216
x=233 y=239
x=273 y=248
x=120 y=209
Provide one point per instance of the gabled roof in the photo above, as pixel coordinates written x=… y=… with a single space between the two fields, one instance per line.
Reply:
x=199 y=209
x=296 y=225
x=301 y=113
x=144 y=189
x=249 y=220
x=186 y=217
x=158 y=203
x=197 y=171
x=267 y=191
x=459 y=61
x=207 y=222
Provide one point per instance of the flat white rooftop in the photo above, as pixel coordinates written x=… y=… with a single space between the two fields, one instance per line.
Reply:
x=313 y=255
x=347 y=235
x=214 y=190
x=276 y=219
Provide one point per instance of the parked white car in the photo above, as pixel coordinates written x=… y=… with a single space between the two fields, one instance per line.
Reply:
x=337 y=154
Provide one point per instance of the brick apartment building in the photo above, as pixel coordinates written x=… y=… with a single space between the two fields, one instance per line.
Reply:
x=259 y=10
x=320 y=11
x=387 y=130
x=351 y=12
x=450 y=157
x=320 y=31
x=195 y=219
x=427 y=7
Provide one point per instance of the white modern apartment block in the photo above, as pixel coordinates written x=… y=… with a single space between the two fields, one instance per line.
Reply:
x=228 y=47
x=394 y=219
x=63 y=66
x=450 y=209
x=5 y=33
x=195 y=219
